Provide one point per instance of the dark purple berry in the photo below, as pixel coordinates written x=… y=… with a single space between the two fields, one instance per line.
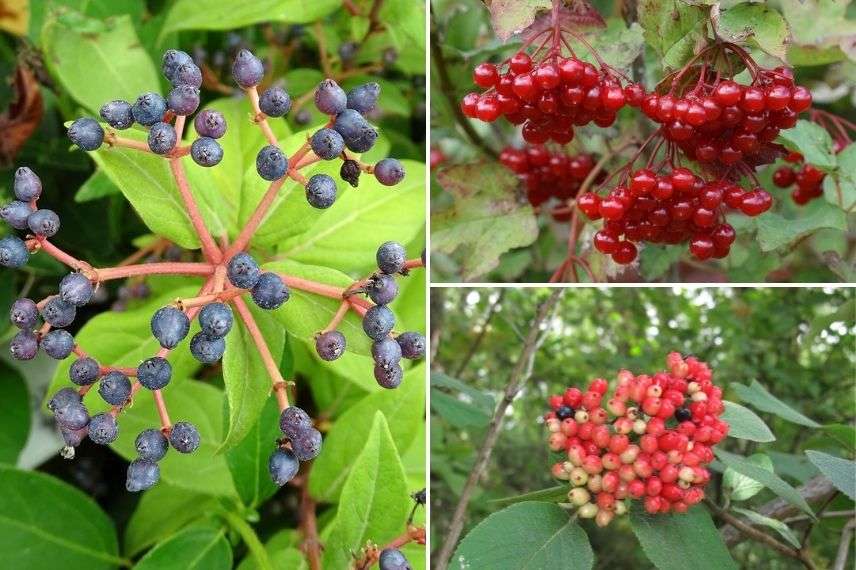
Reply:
x=154 y=373
x=243 y=271
x=330 y=345
x=271 y=163
x=294 y=421
x=389 y=172
x=282 y=466
x=184 y=437
x=270 y=291
x=391 y=257
x=142 y=474
x=103 y=428
x=382 y=289
x=321 y=191
x=115 y=388
x=247 y=70
x=330 y=99
x=206 y=152
x=162 y=138
x=117 y=114
x=151 y=445
x=57 y=344
x=24 y=346
x=210 y=123
x=327 y=144
x=24 y=314
x=412 y=345
x=16 y=214
x=207 y=349
x=58 y=313
x=27 y=185
x=149 y=109
x=275 y=102
x=169 y=326
x=378 y=322
x=76 y=288
x=183 y=100
x=86 y=133
x=363 y=98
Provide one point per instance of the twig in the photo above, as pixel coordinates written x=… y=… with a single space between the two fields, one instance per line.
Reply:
x=474 y=346
x=844 y=545
x=209 y=248
x=309 y=524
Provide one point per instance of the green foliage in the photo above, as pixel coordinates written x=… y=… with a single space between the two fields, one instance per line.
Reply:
x=14 y=414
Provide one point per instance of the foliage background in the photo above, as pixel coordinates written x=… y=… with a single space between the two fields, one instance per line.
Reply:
x=798 y=343
x=646 y=39
x=62 y=59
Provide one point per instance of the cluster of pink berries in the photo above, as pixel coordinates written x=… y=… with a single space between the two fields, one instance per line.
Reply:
x=650 y=441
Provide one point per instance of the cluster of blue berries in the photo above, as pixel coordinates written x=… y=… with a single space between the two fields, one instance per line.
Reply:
x=300 y=442
x=22 y=214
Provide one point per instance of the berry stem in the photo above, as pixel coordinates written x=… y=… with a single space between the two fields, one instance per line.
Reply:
x=160 y=404
x=255 y=220
x=209 y=248
x=203 y=300
x=271 y=365
x=413 y=263
x=343 y=309
x=412 y=534
x=164 y=268
x=42 y=243
x=112 y=139
x=260 y=118
x=309 y=525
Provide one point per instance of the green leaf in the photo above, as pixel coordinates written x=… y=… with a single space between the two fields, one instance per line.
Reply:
x=202 y=471
x=39 y=12
x=841 y=472
x=812 y=141
x=551 y=494
x=758 y=396
x=839 y=187
x=97 y=61
x=201 y=548
x=526 y=536
x=481 y=399
x=374 y=502
x=680 y=541
x=510 y=16
x=769 y=480
x=96 y=186
x=617 y=44
x=763 y=25
x=46 y=523
x=818 y=24
x=673 y=29
x=283 y=551
x=248 y=460
x=486 y=219
x=14 y=414
x=247 y=381
x=775 y=524
x=457 y=412
x=745 y=424
x=162 y=511
x=406 y=404
x=775 y=231
x=217 y=15
x=655 y=260
x=741 y=486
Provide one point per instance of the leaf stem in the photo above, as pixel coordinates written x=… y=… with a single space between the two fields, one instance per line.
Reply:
x=209 y=248
x=164 y=268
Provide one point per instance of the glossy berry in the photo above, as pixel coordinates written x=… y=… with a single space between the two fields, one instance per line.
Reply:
x=363 y=98
x=216 y=319
x=13 y=252
x=282 y=466
x=24 y=346
x=84 y=371
x=389 y=171
x=378 y=322
x=391 y=257
x=330 y=345
x=76 y=288
x=27 y=185
x=386 y=353
x=270 y=291
x=86 y=133
x=206 y=152
x=307 y=444
x=321 y=191
x=16 y=214
x=271 y=163
x=187 y=74
x=210 y=123
x=142 y=474
x=24 y=313
x=154 y=373
x=115 y=388
x=151 y=445
x=358 y=134
x=183 y=100
x=327 y=144
x=412 y=345
x=294 y=421
x=58 y=313
x=382 y=289
x=43 y=222
x=485 y=75
x=169 y=326
x=149 y=109
x=275 y=102
x=184 y=437
x=393 y=559
x=243 y=271
x=247 y=70
x=117 y=114
x=172 y=60
x=389 y=378
x=103 y=429
x=162 y=138
x=57 y=344
x=207 y=349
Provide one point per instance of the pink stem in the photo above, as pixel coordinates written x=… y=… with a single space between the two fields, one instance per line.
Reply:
x=203 y=300
x=413 y=263
x=344 y=307
x=255 y=220
x=271 y=366
x=55 y=252
x=209 y=248
x=259 y=117
x=166 y=424
x=165 y=268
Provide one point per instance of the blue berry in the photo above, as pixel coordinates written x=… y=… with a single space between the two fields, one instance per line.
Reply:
x=24 y=345
x=307 y=444
x=184 y=437
x=271 y=163
x=72 y=416
x=170 y=325
x=58 y=313
x=283 y=466
x=162 y=138
x=151 y=445
x=327 y=144
x=207 y=349
x=84 y=371
x=378 y=322
x=243 y=271
x=303 y=117
x=24 y=313
x=388 y=377
x=63 y=398
x=43 y=222
x=382 y=289
x=73 y=437
x=247 y=70
x=154 y=373
x=115 y=388
x=386 y=353
x=187 y=74
x=13 y=252
x=363 y=98
x=391 y=257
x=117 y=114
x=321 y=191
x=393 y=559
x=412 y=345
x=149 y=109
x=172 y=60
x=16 y=214
x=350 y=172
x=103 y=428
x=183 y=100
x=270 y=291
x=210 y=123
x=86 y=133
x=389 y=172
x=206 y=152
x=142 y=474
x=330 y=99
x=358 y=134
x=27 y=185
x=76 y=288
x=347 y=51
x=275 y=102
x=216 y=319
x=57 y=344
x=293 y=421
x=330 y=345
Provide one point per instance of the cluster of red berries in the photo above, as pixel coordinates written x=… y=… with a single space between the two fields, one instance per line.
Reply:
x=808 y=178
x=547 y=174
x=723 y=123
x=549 y=97
x=650 y=441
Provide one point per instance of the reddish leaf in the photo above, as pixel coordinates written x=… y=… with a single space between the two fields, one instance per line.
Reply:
x=22 y=118
x=575 y=15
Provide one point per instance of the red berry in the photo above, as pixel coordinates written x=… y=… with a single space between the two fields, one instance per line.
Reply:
x=756 y=202
x=485 y=75
x=682 y=179
x=547 y=76
x=727 y=93
x=800 y=99
x=524 y=87
x=643 y=182
x=571 y=70
x=626 y=253
x=701 y=246
x=777 y=97
x=589 y=203
x=611 y=209
x=784 y=176
x=520 y=63
x=754 y=100
x=469 y=104
x=633 y=94
x=488 y=109
x=612 y=98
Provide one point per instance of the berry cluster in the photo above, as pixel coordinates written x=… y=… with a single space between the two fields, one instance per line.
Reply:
x=807 y=177
x=650 y=441
x=548 y=97
x=547 y=174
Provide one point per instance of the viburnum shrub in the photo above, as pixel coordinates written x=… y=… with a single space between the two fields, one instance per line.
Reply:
x=229 y=274
x=648 y=441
